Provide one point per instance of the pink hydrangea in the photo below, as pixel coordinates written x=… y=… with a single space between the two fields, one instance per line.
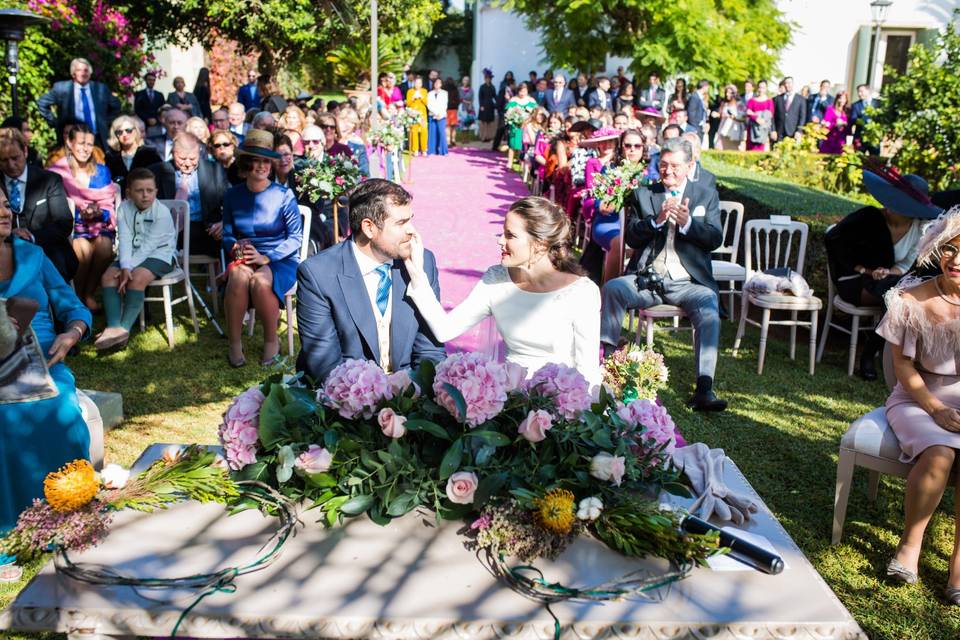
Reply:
x=481 y=382
x=238 y=432
x=355 y=387
x=566 y=386
x=655 y=420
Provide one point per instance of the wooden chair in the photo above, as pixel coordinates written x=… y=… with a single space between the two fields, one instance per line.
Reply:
x=834 y=301
x=725 y=266
x=180 y=210
x=306 y=218
x=770 y=245
x=869 y=443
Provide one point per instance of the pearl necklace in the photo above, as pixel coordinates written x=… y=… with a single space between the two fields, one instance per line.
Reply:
x=943 y=294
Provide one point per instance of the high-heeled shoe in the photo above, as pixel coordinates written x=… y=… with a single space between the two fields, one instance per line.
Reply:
x=952 y=594
x=900 y=573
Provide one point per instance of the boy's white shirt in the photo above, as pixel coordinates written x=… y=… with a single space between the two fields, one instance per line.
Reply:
x=159 y=235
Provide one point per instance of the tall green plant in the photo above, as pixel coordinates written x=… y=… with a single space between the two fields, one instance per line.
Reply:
x=351 y=61
x=920 y=111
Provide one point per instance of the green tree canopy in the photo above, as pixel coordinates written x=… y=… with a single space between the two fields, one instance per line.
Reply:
x=722 y=40
x=920 y=110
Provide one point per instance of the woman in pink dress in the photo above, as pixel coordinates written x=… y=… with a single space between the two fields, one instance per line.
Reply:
x=837 y=122
x=759 y=119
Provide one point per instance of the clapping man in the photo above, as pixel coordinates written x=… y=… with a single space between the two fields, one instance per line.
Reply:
x=201 y=182
x=80 y=100
x=39 y=203
x=674 y=227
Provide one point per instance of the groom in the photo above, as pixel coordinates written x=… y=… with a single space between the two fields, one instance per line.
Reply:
x=351 y=298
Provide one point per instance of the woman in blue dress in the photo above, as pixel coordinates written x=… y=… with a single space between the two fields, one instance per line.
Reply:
x=39 y=436
x=263 y=232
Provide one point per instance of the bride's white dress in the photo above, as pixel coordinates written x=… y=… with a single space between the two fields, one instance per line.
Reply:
x=560 y=326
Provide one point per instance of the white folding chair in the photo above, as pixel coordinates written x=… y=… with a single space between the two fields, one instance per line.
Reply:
x=770 y=245
x=306 y=217
x=725 y=266
x=180 y=210
x=834 y=301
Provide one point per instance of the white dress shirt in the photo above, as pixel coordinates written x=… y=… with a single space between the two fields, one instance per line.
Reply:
x=371 y=281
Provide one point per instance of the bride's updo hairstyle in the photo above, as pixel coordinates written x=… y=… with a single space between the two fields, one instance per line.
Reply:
x=548 y=224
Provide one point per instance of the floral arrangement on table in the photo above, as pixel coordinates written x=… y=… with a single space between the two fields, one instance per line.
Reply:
x=328 y=178
x=389 y=135
x=530 y=463
x=408 y=117
x=79 y=503
x=516 y=116
x=613 y=186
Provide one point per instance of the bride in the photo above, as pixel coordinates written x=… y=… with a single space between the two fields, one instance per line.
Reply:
x=545 y=308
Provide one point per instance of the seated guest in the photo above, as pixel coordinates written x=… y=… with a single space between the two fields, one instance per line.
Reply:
x=679 y=118
x=221 y=119
x=174 y=123
x=197 y=127
x=236 y=116
x=871 y=249
x=673 y=227
x=147 y=245
x=39 y=203
x=331 y=132
x=921 y=325
x=349 y=124
x=264 y=121
x=223 y=147
x=127 y=149
x=183 y=100
x=699 y=173
x=38 y=435
x=23 y=125
x=291 y=124
x=202 y=183
x=88 y=183
x=263 y=232
x=147 y=102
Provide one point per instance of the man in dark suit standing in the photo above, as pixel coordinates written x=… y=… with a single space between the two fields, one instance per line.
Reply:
x=817 y=104
x=540 y=92
x=202 y=183
x=39 y=203
x=80 y=100
x=147 y=103
x=859 y=119
x=653 y=96
x=674 y=227
x=789 y=113
x=560 y=98
x=249 y=95
x=352 y=298
x=697 y=106
x=601 y=97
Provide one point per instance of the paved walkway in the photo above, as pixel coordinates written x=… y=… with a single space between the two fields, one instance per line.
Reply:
x=459 y=202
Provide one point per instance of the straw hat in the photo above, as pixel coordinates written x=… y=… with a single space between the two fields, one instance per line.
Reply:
x=602 y=134
x=908 y=195
x=258 y=143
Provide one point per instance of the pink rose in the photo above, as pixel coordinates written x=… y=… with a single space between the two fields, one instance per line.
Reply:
x=461 y=486
x=608 y=467
x=516 y=374
x=391 y=423
x=400 y=382
x=535 y=426
x=315 y=459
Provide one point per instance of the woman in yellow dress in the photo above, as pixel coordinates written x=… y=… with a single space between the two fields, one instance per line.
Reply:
x=417 y=99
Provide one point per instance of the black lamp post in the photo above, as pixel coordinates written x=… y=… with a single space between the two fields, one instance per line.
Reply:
x=13 y=24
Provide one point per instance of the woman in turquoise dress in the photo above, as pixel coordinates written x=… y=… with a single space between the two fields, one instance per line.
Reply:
x=39 y=436
x=262 y=230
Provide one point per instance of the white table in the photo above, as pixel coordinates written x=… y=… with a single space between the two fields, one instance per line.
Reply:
x=409 y=580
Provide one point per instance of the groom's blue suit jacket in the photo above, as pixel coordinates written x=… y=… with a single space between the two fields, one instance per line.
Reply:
x=336 y=320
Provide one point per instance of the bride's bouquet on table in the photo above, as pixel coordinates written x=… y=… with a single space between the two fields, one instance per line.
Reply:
x=528 y=463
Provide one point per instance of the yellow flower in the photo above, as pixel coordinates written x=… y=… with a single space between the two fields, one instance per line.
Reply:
x=71 y=487
x=555 y=511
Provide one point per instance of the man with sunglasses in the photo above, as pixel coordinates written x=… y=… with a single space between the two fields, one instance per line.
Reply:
x=559 y=98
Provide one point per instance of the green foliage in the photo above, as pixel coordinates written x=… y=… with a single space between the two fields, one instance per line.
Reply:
x=920 y=111
x=351 y=61
x=640 y=529
x=723 y=40
x=453 y=31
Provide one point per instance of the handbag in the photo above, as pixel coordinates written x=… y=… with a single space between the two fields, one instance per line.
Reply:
x=24 y=375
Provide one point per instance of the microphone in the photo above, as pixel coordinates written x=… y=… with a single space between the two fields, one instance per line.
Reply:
x=741 y=550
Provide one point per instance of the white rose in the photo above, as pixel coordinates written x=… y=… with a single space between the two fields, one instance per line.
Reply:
x=589 y=508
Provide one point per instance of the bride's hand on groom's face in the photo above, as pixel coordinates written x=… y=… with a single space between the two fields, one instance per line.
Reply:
x=414 y=261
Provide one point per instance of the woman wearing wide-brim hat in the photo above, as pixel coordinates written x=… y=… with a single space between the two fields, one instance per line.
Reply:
x=262 y=233
x=871 y=249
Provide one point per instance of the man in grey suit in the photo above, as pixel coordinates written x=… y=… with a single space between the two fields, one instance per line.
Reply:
x=80 y=100
x=674 y=227
x=352 y=298
x=559 y=99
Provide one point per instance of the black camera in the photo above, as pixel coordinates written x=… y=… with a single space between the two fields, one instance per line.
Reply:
x=649 y=279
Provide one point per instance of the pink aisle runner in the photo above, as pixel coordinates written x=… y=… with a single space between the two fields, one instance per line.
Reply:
x=459 y=202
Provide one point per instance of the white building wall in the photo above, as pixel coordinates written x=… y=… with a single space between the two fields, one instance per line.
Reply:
x=176 y=61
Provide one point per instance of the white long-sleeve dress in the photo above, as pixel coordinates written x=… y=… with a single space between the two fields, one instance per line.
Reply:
x=560 y=326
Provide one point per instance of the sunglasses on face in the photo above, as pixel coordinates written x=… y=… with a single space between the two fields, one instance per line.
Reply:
x=328 y=126
x=630 y=145
x=222 y=145
x=127 y=130
x=310 y=143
